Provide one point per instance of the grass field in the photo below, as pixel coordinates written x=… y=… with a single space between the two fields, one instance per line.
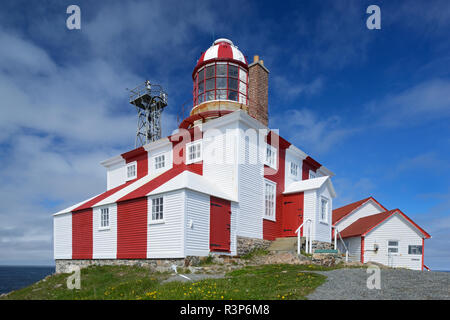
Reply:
x=124 y=282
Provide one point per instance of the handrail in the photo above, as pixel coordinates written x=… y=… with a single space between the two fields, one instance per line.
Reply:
x=336 y=231
x=308 y=243
x=428 y=269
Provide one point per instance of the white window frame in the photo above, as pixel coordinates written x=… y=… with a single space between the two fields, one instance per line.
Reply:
x=271 y=217
x=198 y=157
x=272 y=162
x=104 y=226
x=155 y=163
x=154 y=205
x=131 y=164
x=390 y=246
x=312 y=174
x=415 y=245
x=296 y=169
x=327 y=204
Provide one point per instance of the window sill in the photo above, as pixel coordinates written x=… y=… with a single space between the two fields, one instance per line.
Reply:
x=270 y=219
x=157 y=222
x=323 y=222
x=104 y=228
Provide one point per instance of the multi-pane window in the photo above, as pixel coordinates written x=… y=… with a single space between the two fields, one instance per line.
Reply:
x=392 y=246
x=294 y=169
x=194 y=152
x=104 y=217
x=269 y=200
x=221 y=81
x=157 y=209
x=160 y=161
x=271 y=156
x=323 y=209
x=131 y=171
x=414 y=249
x=312 y=174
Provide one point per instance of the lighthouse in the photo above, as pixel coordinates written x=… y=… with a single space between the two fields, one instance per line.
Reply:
x=224 y=81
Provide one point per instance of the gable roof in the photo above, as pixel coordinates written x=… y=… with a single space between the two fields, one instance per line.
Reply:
x=310 y=184
x=363 y=226
x=342 y=212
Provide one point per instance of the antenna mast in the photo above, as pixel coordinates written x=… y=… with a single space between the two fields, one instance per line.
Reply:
x=149 y=100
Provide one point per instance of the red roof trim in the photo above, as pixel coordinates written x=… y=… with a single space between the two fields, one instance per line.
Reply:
x=352 y=207
x=133 y=153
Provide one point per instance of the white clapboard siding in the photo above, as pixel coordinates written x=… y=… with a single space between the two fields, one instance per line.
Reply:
x=395 y=228
x=309 y=211
x=354 y=248
x=234 y=219
x=166 y=240
x=251 y=187
x=104 y=239
x=165 y=150
x=116 y=175
x=323 y=228
x=197 y=223
x=368 y=209
x=62 y=236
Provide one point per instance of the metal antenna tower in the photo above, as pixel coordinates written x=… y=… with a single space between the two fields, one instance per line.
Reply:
x=150 y=100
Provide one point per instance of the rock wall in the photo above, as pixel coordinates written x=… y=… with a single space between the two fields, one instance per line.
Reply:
x=246 y=245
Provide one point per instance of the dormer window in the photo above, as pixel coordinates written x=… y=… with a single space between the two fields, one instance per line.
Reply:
x=159 y=161
x=271 y=159
x=131 y=171
x=194 y=152
x=294 y=169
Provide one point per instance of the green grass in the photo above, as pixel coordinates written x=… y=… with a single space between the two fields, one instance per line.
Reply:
x=123 y=282
x=254 y=253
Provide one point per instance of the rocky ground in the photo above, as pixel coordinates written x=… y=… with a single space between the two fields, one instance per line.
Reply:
x=395 y=284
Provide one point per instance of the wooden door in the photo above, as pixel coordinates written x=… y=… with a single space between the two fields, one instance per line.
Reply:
x=292 y=213
x=220 y=225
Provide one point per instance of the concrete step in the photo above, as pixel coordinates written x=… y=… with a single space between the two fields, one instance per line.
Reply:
x=285 y=244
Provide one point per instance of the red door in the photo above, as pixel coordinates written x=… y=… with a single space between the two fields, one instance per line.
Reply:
x=292 y=213
x=220 y=224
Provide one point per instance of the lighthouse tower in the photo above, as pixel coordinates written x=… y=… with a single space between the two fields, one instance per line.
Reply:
x=224 y=82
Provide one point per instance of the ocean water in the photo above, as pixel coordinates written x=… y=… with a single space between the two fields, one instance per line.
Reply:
x=17 y=277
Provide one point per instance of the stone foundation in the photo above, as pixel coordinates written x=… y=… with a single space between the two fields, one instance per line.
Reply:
x=246 y=245
x=156 y=265
x=320 y=245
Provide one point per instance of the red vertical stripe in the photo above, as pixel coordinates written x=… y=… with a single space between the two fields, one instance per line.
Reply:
x=362 y=249
x=132 y=229
x=82 y=234
x=225 y=51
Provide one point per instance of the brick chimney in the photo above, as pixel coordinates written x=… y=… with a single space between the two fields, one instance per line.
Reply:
x=258 y=87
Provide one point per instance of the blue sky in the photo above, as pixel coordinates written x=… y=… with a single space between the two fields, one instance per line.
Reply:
x=371 y=105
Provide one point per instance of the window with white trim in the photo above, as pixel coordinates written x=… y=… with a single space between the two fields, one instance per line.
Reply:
x=269 y=200
x=194 y=152
x=157 y=209
x=323 y=209
x=312 y=174
x=392 y=246
x=294 y=169
x=104 y=218
x=414 y=249
x=270 y=158
x=131 y=171
x=159 y=161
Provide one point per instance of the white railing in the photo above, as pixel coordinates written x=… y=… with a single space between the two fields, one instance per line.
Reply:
x=336 y=233
x=308 y=243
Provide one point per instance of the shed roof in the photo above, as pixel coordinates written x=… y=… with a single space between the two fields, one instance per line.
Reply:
x=310 y=184
x=340 y=213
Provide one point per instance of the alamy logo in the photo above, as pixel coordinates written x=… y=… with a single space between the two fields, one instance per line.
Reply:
x=74 y=280
x=374 y=20
x=374 y=280
x=74 y=20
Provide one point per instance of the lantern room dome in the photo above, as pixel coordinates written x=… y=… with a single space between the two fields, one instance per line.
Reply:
x=221 y=50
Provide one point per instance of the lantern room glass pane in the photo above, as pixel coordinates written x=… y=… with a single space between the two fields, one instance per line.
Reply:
x=242 y=87
x=232 y=95
x=242 y=99
x=233 y=71
x=221 y=83
x=200 y=87
x=210 y=95
x=200 y=98
x=221 y=69
x=221 y=94
x=200 y=75
x=209 y=84
x=209 y=71
x=242 y=75
x=232 y=84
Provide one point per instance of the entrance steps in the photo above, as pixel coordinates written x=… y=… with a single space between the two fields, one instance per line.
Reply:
x=286 y=244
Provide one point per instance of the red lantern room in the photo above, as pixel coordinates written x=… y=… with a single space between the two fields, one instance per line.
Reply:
x=221 y=84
